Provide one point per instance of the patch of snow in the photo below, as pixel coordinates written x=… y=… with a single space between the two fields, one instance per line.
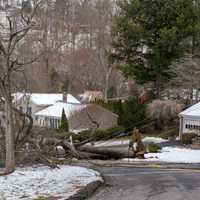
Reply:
x=173 y=155
x=59 y=147
x=44 y=99
x=76 y=131
x=29 y=183
x=155 y=140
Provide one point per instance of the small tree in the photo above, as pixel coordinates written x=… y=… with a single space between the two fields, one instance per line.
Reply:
x=133 y=112
x=64 y=122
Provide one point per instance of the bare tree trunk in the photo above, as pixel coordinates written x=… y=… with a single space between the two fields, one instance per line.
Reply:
x=108 y=74
x=11 y=36
x=9 y=137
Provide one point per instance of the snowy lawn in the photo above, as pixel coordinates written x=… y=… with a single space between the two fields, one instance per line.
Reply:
x=32 y=182
x=173 y=155
x=155 y=140
x=119 y=142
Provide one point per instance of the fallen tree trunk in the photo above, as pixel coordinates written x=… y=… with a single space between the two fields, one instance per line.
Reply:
x=95 y=156
x=107 y=153
x=88 y=152
x=81 y=151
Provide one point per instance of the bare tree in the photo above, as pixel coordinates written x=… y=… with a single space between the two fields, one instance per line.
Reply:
x=18 y=22
x=75 y=37
x=187 y=72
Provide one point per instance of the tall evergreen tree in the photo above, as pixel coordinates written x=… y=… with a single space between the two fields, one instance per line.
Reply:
x=149 y=35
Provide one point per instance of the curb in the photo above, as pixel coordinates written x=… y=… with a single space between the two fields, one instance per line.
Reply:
x=87 y=191
x=142 y=164
x=169 y=166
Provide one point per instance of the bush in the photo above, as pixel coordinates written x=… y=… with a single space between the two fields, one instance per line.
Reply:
x=130 y=112
x=97 y=135
x=153 y=148
x=76 y=137
x=107 y=134
x=163 y=111
x=133 y=112
x=187 y=138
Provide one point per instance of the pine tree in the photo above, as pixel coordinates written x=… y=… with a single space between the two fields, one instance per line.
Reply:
x=64 y=122
x=149 y=35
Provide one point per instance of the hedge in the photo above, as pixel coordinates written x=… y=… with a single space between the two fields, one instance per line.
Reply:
x=96 y=135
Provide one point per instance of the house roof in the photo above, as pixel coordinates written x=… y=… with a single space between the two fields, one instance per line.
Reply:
x=45 y=98
x=193 y=111
x=70 y=109
x=56 y=109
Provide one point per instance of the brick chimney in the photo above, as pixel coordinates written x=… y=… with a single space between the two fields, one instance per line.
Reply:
x=65 y=97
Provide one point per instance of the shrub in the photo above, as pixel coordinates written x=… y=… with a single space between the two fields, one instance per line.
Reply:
x=130 y=112
x=96 y=135
x=107 y=134
x=133 y=111
x=163 y=111
x=153 y=148
x=187 y=138
x=76 y=137
x=115 y=129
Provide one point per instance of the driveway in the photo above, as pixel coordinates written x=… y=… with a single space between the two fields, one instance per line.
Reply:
x=127 y=183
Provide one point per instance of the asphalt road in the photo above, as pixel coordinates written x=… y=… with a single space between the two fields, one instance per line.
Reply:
x=125 y=183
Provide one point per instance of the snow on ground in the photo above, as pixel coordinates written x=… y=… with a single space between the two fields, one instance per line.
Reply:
x=29 y=183
x=173 y=155
x=155 y=140
x=118 y=142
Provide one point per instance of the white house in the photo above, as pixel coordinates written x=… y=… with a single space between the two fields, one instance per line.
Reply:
x=51 y=116
x=80 y=117
x=35 y=102
x=46 y=111
x=190 y=120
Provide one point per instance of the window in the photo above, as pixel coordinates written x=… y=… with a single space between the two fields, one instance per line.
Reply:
x=193 y=127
